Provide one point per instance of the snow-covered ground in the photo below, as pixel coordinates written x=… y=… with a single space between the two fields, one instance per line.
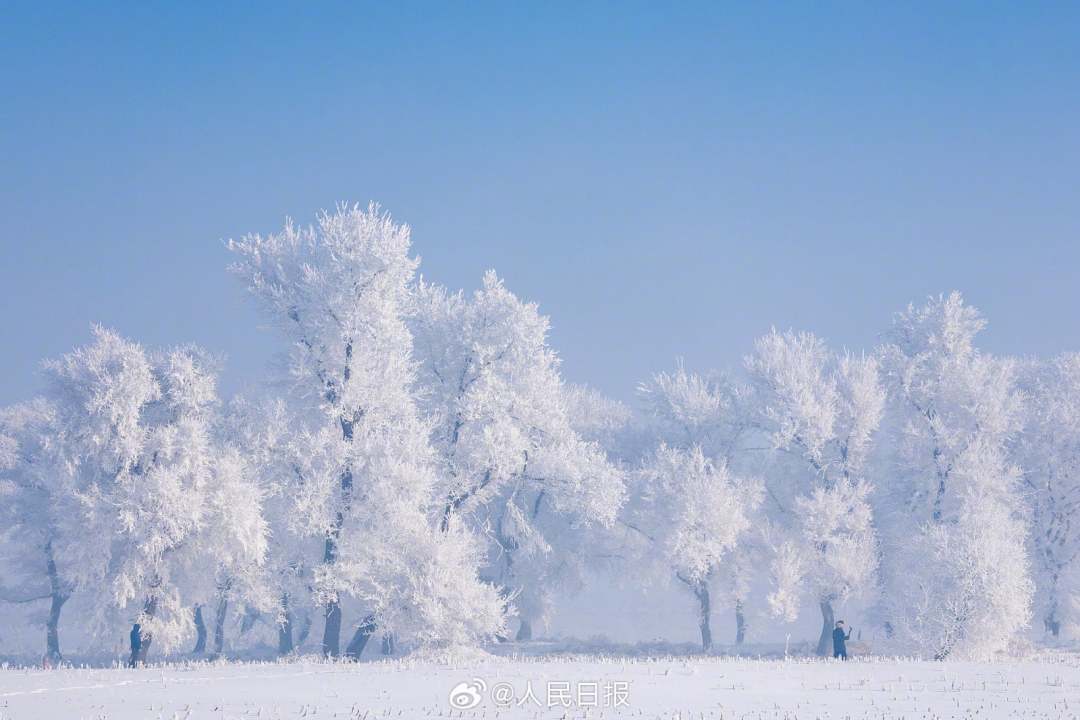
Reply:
x=562 y=687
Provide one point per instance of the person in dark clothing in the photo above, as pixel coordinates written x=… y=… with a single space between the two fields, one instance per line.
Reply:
x=136 y=644
x=839 y=640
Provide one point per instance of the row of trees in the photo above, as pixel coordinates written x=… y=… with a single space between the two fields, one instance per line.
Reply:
x=419 y=471
x=936 y=481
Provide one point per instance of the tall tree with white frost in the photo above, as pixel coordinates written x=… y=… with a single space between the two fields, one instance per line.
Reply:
x=27 y=515
x=236 y=527
x=284 y=456
x=510 y=458
x=340 y=292
x=1049 y=452
x=692 y=413
x=143 y=503
x=957 y=578
x=603 y=420
x=695 y=511
x=820 y=411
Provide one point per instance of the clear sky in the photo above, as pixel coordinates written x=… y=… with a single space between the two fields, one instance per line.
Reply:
x=664 y=181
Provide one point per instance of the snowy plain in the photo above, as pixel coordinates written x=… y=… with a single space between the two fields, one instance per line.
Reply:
x=573 y=686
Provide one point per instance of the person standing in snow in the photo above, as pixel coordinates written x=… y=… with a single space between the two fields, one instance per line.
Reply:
x=839 y=640
x=136 y=644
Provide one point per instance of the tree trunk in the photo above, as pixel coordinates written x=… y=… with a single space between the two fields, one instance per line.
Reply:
x=954 y=631
x=939 y=500
x=149 y=610
x=1051 y=621
x=285 y=637
x=524 y=632
x=57 y=597
x=251 y=616
x=331 y=642
x=52 y=630
x=828 y=620
x=388 y=644
x=360 y=638
x=200 y=632
x=219 y=625
x=285 y=629
x=1053 y=625
x=702 y=593
x=305 y=630
x=740 y=623
x=942 y=471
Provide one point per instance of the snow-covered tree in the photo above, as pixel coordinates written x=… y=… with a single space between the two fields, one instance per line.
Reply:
x=820 y=411
x=695 y=511
x=1049 y=452
x=966 y=585
x=340 y=292
x=687 y=408
x=236 y=527
x=511 y=459
x=827 y=554
x=27 y=515
x=600 y=419
x=149 y=516
x=952 y=514
x=707 y=413
x=283 y=456
x=119 y=522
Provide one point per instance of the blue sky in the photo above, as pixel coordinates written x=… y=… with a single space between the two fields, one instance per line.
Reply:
x=665 y=181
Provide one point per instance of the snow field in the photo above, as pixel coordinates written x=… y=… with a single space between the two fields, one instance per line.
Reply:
x=654 y=688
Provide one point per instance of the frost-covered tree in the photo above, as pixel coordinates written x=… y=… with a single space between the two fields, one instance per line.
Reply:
x=695 y=511
x=236 y=527
x=27 y=515
x=149 y=515
x=340 y=292
x=511 y=459
x=956 y=568
x=820 y=411
x=827 y=553
x=708 y=413
x=122 y=512
x=283 y=456
x=603 y=420
x=965 y=577
x=1049 y=452
x=689 y=409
